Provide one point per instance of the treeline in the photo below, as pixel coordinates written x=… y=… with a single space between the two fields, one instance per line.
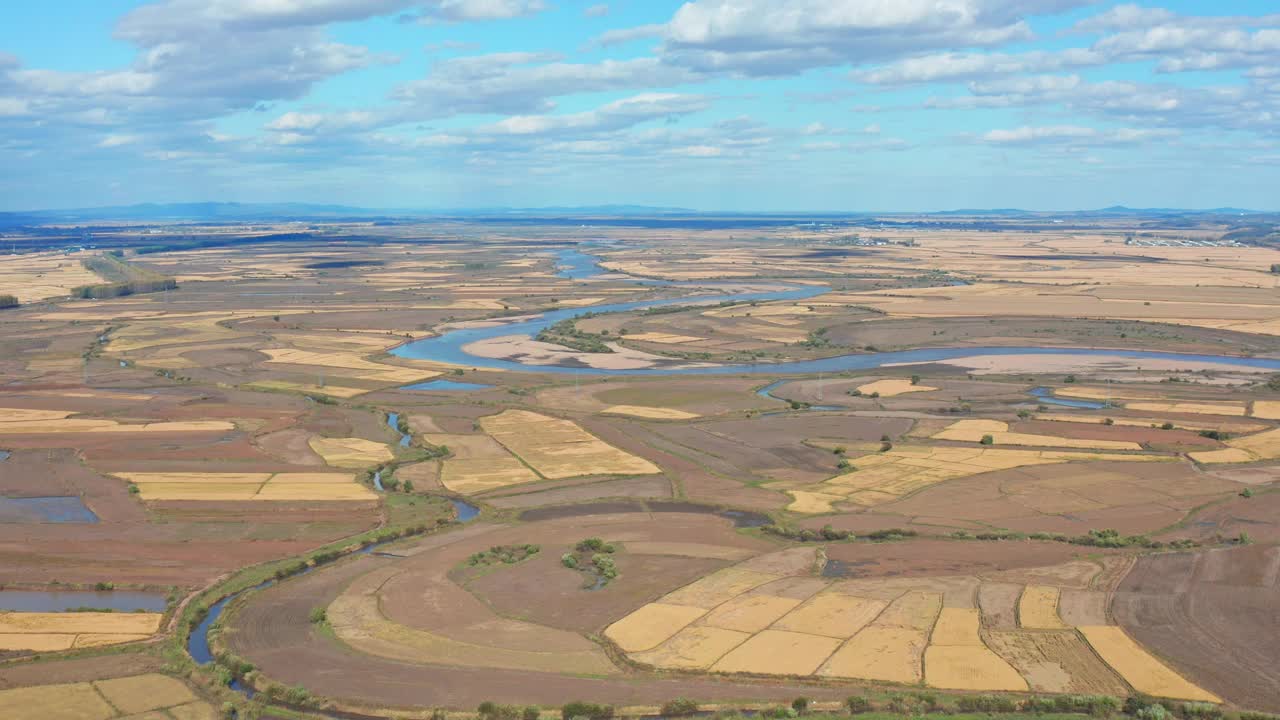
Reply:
x=8 y=301
x=217 y=242
x=567 y=334
x=126 y=278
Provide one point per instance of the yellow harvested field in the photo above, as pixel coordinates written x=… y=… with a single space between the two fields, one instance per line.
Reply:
x=15 y=421
x=649 y=412
x=749 y=613
x=339 y=391
x=39 y=276
x=69 y=701
x=1038 y=608
x=337 y=362
x=141 y=693
x=1234 y=409
x=194 y=711
x=693 y=648
x=558 y=448
x=1139 y=668
x=1059 y=662
x=1266 y=409
x=892 y=387
x=718 y=587
x=833 y=614
x=478 y=463
x=79 y=622
x=969 y=667
x=651 y=625
x=884 y=477
x=48 y=632
x=975 y=430
x=1227 y=426
x=353 y=453
x=887 y=654
x=916 y=610
x=247 y=486
x=778 y=652
x=1250 y=448
x=957 y=626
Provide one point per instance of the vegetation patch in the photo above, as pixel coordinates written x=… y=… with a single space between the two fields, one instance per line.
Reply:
x=594 y=558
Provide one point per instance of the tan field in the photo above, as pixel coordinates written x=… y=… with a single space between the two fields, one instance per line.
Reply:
x=330 y=390
x=975 y=430
x=1038 y=608
x=750 y=613
x=886 y=654
x=888 y=476
x=1059 y=662
x=693 y=648
x=352 y=453
x=1227 y=426
x=47 y=632
x=558 y=448
x=832 y=614
x=478 y=463
x=967 y=667
x=351 y=365
x=40 y=276
x=19 y=421
x=719 y=587
x=1139 y=668
x=106 y=699
x=893 y=387
x=653 y=413
x=651 y=625
x=247 y=486
x=1250 y=448
x=778 y=652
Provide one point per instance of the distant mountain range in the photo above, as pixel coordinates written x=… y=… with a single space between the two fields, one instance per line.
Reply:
x=231 y=211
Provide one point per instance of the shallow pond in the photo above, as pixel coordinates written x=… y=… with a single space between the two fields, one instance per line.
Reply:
x=1045 y=395
x=62 y=509
x=63 y=600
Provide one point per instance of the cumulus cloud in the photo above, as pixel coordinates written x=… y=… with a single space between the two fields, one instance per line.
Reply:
x=522 y=83
x=1071 y=135
x=762 y=37
x=471 y=10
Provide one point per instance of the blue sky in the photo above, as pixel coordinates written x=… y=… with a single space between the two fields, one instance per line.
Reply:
x=741 y=105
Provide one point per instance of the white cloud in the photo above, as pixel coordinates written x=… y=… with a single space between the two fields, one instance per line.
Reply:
x=111 y=141
x=473 y=10
x=1072 y=135
x=515 y=83
x=763 y=37
x=595 y=11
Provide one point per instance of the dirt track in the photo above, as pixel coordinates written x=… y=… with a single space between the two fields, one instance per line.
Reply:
x=1214 y=616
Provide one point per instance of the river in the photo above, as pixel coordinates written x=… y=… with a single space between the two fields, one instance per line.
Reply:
x=449 y=347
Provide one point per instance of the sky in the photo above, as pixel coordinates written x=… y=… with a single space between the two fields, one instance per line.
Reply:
x=736 y=105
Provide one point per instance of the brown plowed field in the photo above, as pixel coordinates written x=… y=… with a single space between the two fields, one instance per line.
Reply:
x=1214 y=616
x=272 y=630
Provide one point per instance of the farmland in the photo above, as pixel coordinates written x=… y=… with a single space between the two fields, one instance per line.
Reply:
x=957 y=461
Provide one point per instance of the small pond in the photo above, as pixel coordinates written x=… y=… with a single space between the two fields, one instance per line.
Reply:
x=1045 y=395
x=64 y=509
x=64 y=600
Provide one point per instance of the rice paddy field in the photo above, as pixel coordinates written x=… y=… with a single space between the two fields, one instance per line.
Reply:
x=947 y=458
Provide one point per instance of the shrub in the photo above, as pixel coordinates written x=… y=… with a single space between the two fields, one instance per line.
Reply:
x=318 y=615
x=1199 y=711
x=1246 y=493
x=569 y=560
x=1109 y=421
x=1152 y=712
x=987 y=440
x=492 y=711
x=679 y=706
x=8 y=301
x=591 y=711
x=778 y=712
x=1215 y=435
x=800 y=705
x=986 y=703
x=530 y=713
x=1167 y=426
x=858 y=704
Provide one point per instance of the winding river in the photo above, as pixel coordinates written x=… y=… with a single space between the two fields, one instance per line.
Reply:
x=450 y=346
